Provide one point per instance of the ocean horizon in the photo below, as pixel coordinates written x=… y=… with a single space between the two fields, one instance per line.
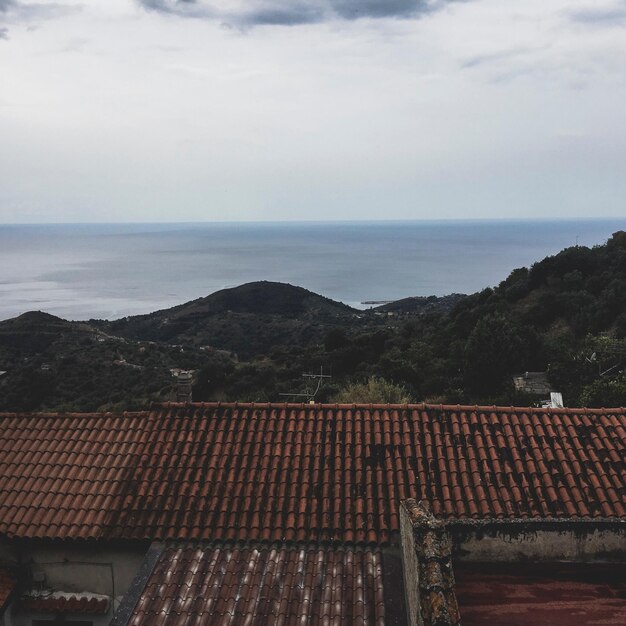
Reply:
x=108 y=271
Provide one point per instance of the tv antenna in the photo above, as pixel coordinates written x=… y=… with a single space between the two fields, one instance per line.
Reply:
x=308 y=394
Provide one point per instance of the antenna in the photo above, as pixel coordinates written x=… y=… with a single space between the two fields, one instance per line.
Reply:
x=310 y=395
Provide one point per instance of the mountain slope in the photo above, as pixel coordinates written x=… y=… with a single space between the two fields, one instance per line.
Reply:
x=249 y=319
x=565 y=314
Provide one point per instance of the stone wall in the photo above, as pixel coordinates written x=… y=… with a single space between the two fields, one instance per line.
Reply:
x=541 y=540
x=409 y=566
x=429 y=545
x=427 y=560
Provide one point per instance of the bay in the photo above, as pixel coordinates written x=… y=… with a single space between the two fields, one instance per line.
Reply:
x=82 y=271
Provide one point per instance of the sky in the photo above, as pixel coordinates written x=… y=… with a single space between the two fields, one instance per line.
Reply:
x=175 y=110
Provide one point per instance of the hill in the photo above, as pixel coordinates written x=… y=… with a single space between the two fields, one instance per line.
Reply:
x=249 y=320
x=566 y=315
x=422 y=304
x=261 y=297
x=50 y=363
x=554 y=315
x=33 y=332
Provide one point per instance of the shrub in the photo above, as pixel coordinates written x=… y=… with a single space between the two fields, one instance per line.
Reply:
x=375 y=391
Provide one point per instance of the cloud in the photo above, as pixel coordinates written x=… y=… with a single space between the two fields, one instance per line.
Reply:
x=40 y=11
x=14 y=11
x=608 y=15
x=188 y=8
x=5 y=8
x=354 y=9
x=493 y=57
x=283 y=17
x=247 y=13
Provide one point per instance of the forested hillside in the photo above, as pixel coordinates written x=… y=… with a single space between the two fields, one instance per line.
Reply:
x=565 y=315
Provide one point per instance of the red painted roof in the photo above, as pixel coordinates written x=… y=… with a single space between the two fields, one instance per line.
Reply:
x=302 y=472
x=63 y=603
x=584 y=594
x=263 y=585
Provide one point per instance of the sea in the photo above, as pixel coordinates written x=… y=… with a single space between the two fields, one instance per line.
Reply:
x=109 y=271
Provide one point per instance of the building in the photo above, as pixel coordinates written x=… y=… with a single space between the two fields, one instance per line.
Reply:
x=235 y=514
x=533 y=383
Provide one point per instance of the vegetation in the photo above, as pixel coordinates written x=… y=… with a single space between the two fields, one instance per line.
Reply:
x=373 y=391
x=565 y=315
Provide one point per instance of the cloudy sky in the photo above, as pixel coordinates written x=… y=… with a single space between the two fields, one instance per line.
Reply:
x=166 y=110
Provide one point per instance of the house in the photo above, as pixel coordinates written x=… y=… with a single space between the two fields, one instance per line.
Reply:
x=313 y=514
x=534 y=383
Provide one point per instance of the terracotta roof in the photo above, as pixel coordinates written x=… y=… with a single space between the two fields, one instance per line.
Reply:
x=270 y=584
x=60 y=602
x=302 y=472
x=7 y=585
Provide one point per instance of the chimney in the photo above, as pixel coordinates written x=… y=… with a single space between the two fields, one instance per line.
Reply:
x=184 y=382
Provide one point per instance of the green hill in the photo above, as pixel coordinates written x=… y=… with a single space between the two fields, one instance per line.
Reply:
x=249 y=320
x=553 y=315
x=565 y=315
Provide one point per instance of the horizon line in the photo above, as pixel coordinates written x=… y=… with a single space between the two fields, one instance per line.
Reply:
x=329 y=221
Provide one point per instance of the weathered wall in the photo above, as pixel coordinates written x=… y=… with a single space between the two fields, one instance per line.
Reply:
x=98 y=568
x=428 y=558
x=527 y=541
x=74 y=567
x=426 y=545
x=410 y=568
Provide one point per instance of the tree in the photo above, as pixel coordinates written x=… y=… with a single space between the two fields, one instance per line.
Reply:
x=375 y=391
x=335 y=339
x=605 y=392
x=494 y=350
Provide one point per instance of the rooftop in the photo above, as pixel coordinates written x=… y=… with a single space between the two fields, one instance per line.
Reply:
x=300 y=472
x=277 y=584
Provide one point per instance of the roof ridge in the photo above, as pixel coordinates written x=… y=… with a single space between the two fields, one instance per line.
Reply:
x=391 y=405
x=156 y=406
x=73 y=414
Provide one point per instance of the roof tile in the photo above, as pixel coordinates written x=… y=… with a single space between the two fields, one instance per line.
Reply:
x=225 y=584
x=314 y=472
x=62 y=603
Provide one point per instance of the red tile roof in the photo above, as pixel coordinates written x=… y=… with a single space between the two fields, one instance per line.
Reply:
x=63 y=603
x=302 y=472
x=272 y=584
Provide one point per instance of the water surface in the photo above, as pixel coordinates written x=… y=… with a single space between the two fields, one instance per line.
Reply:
x=113 y=270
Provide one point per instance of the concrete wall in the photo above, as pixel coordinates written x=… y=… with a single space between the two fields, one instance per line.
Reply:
x=550 y=541
x=75 y=567
x=410 y=569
